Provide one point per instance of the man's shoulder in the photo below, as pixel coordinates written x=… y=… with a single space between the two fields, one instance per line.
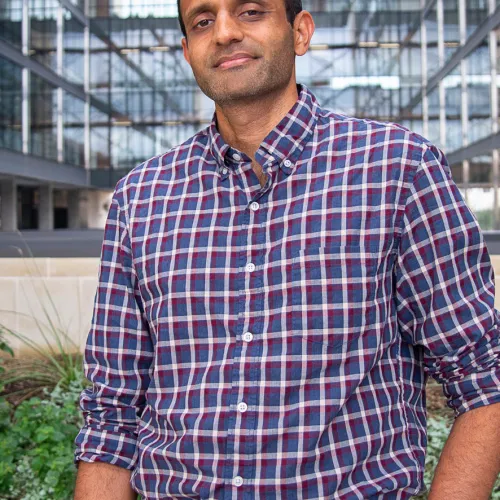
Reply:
x=159 y=166
x=332 y=124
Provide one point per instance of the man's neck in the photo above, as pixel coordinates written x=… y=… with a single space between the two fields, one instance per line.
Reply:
x=245 y=125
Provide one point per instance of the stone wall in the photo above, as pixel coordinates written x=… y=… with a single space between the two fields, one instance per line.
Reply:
x=34 y=292
x=37 y=291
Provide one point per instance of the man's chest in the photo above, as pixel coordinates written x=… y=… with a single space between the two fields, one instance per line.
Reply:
x=306 y=255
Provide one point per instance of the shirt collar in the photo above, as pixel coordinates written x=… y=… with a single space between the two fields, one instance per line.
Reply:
x=283 y=144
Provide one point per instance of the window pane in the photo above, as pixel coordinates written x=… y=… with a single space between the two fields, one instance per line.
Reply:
x=43 y=28
x=43 y=119
x=11 y=13
x=74 y=143
x=10 y=105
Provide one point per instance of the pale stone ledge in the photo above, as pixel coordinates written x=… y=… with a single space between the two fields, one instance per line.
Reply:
x=36 y=292
x=48 y=267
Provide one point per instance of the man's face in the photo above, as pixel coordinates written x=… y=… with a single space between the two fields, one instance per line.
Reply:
x=238 y=50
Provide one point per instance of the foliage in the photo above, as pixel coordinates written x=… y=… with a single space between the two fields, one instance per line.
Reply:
x=30 y=376
x=37 y=446
x=4 y=348
x=57 y=362
x=438 y=430
x=52 y=366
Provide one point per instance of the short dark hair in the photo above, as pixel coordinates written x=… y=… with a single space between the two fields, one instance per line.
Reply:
x=293 y=7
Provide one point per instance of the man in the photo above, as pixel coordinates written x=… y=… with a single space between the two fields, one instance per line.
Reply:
x=274 y=292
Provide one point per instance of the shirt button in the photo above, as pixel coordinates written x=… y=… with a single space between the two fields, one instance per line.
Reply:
x=247 y=337
x=236 y=157
x=238 y=481
x=288 y=163
x=250 y=267
x=224 y=171
x=242 y=407
x=254 y=206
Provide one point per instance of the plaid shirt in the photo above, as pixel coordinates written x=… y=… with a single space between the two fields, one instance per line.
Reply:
x=270 y=342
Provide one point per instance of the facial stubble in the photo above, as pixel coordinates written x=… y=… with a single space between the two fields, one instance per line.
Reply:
x=241 y=84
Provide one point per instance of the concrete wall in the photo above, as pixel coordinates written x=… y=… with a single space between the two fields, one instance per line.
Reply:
x=26 y=284
x=63 y=287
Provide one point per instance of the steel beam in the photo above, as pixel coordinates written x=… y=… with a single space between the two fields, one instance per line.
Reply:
x=14 y=164
x=25 y=75
x=478 y=148
x=96 y=30
x=464 y=101
x=426 y=9
x=481 y=32
x=60 y=95
x=75 y=11
x=425 y=99
x=80 y=16
x=39 y=69
x=495 y=159
x=86 y=87
x=55 y=80
x=441 y=58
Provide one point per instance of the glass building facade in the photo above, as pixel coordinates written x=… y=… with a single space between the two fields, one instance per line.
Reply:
x=91 y=88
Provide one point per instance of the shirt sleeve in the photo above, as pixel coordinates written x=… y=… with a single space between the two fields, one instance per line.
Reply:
x=445 y=288
x=118 y=354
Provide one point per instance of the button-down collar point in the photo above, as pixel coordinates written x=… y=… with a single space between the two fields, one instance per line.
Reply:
x=285 y=141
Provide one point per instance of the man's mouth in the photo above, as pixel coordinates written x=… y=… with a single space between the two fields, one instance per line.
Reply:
x=234 y=61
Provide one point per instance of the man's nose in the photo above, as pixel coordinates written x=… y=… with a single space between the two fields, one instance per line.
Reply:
x=227 y=29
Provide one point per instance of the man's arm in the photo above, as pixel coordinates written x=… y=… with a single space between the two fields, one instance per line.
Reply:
x=445 y=293
x=470 y=461
x=99 y=480
x=117 y=360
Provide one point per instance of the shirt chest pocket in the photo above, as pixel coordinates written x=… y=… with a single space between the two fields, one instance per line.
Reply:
x=333 y=293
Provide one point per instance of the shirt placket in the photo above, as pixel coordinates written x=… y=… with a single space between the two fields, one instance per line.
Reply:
x=244 y=398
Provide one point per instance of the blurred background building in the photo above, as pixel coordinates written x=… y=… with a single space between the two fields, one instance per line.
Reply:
x=91 y=88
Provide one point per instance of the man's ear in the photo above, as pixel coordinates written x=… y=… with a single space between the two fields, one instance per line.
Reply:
x=303 y=28
x=185 y=50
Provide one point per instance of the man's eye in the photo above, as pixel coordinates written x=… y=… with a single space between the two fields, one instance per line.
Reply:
x=202 y=24
x=252 y=13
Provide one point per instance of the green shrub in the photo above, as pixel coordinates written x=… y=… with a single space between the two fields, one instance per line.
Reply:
x=37 y=446
x=4 y=349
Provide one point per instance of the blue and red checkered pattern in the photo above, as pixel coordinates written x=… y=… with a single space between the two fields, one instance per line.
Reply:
x=273 y=342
